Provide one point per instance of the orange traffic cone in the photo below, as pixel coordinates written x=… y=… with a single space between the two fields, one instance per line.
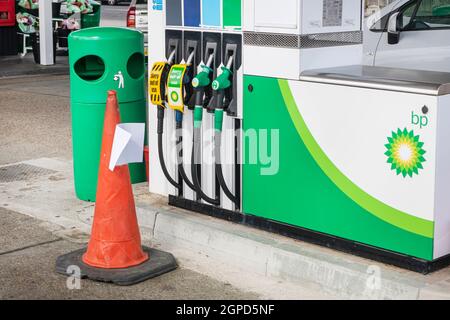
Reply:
x=115 y=238
x=114 y=252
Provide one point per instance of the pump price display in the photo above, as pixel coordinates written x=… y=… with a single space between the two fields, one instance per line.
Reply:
x=332 y=13
x=226 y=310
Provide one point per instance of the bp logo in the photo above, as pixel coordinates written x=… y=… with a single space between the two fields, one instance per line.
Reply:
x=174 y=96
x=405 y=153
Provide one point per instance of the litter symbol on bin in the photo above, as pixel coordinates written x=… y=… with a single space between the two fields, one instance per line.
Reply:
x=119 y=77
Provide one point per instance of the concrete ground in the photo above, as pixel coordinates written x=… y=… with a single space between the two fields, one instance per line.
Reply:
x=35 y=118
x=35 y=122
x=18 y=66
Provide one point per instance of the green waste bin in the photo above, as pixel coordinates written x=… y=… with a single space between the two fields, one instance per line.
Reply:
x=103 y=59
x=90 y=20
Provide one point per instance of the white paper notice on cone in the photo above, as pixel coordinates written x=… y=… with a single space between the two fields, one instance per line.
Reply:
x=128 y=145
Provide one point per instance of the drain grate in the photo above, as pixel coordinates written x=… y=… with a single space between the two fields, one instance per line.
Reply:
x=22 y=172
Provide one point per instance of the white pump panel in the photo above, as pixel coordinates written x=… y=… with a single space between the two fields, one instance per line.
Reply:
x=283 y=17
x=284 y=38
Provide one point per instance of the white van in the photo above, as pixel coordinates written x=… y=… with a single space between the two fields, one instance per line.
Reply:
x=411 y=34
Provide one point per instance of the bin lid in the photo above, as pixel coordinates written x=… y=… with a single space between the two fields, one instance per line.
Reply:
x=383 y=78
x=105 y=33
x=106 y=58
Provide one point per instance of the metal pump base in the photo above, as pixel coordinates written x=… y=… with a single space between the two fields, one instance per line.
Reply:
x=160 y=262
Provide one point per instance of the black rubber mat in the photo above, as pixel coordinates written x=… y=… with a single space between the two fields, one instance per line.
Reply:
x=160 y=262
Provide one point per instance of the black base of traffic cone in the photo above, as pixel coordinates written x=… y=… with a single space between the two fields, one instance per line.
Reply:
x=160 y=262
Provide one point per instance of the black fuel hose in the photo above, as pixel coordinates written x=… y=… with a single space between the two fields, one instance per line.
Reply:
x=219 y=171
x=179 y=138
x=160 y=131
x=196 y=154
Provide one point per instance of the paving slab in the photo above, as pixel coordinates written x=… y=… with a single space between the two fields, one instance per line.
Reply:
x=18 y=231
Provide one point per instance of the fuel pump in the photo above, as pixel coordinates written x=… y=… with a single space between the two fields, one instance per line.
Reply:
x=222 y=91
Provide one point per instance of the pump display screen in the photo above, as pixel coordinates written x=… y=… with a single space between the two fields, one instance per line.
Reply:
x=332 y=13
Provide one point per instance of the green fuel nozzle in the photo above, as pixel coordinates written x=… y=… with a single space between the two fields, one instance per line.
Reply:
x=222 y=82
x=219 y=86
x=203 y=78
x=200 y=83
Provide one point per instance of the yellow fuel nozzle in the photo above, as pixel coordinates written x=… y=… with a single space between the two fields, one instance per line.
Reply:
x=175 y=87
x=157 y=83
x=179 y=87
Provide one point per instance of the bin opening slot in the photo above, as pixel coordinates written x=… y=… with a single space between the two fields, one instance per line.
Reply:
x=90 y=68
x=136 y=65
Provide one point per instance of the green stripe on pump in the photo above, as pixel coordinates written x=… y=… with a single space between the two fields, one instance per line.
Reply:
x=198 y=116
x=218 y=119
x=379 y=209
